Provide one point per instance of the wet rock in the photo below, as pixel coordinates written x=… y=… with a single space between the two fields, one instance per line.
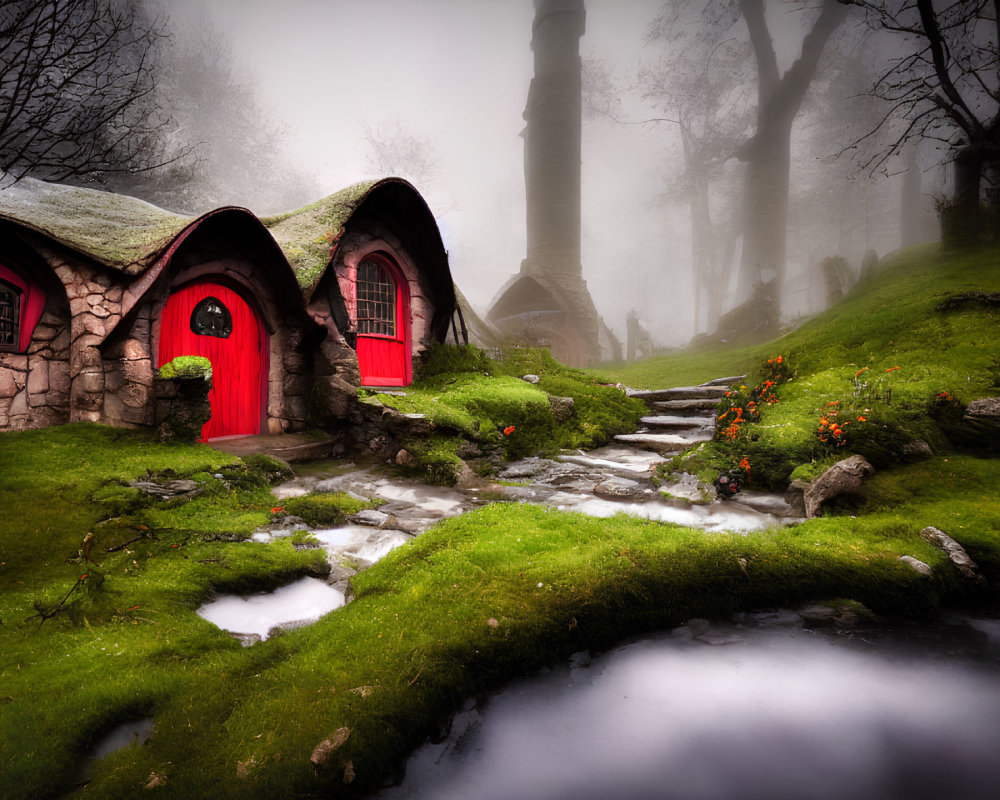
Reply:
x=372 y=517
x=693 y=628
x=955 y=552
x=718 y=638
x=324 y=751
x=562 y=407
x=168 y=490
x=916 y=564
x=795 y=496
x=844 y=477
x=779 y=618
x=686 y=487
x=615 y=488
x=530 y=378
x=988 y=408
x=403 y=458
x=917 y=449
x=817 y=614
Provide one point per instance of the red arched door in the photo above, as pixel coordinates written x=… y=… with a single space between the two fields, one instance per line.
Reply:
x=383 y=310
x=211 y=320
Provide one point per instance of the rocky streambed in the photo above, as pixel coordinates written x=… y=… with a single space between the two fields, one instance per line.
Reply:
x=617 y=479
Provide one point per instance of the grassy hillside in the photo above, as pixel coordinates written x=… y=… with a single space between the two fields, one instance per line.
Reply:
x=893 y=365
x=887 y=320
x=91 y=636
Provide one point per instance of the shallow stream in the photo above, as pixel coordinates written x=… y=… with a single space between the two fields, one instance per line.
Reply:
x=601 y=483
x=767 y=708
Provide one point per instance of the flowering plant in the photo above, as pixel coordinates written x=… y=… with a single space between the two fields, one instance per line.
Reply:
x=743 y=405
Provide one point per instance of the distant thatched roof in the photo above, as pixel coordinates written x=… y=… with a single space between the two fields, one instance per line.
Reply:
x=115 y=230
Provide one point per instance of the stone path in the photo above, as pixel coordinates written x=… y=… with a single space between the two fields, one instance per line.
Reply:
x=290 y=447
x=682 y=417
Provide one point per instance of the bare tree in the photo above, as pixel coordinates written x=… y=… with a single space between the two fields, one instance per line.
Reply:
x=394 y=148
x=236 y=143
x=704 y=88
x=76 y=91
x=763 y=145
x=944 y=87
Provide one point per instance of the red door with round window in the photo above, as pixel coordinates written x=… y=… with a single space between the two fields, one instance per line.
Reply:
x=383 y=318
x=211 y=320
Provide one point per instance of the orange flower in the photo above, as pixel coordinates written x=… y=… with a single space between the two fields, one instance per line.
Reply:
x=84 y=576
x=779 y=359
x=892 y=369
x=863 y=369
x=509 y=430
x=862 y=419
x=276 y=509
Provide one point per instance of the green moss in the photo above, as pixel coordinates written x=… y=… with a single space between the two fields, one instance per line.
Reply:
x=186 y=368
x=307 y=236
x=324 y=509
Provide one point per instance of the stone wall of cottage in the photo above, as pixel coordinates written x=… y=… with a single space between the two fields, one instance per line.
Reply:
x=60 y=377
x=372 y=237
x=35 y=385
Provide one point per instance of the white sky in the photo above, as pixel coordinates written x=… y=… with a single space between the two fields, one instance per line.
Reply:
x=458 y=71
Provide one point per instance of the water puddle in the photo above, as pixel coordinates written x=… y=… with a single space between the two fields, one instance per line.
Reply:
x=736 y=713
x=252 y=617
x=127 y=734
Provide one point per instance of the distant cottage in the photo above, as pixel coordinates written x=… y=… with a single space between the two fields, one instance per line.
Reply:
x=294 y=311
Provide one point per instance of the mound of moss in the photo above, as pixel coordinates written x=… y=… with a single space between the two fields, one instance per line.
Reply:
x=186 y=368
x=482 y=410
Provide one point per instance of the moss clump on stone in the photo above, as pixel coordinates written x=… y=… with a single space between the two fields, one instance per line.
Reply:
x=324 y=509
x=186 y=368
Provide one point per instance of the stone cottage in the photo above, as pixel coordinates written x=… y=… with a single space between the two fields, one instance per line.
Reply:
x=98 y=290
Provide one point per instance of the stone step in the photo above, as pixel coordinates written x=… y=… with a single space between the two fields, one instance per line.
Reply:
x=685 y=405
x=680 y=393
x=675 y=421
x=661 y=442
x=288 y=447
x=727 y=382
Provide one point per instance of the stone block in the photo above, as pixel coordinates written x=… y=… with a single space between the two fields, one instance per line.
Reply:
x=19 y=405
x=139 y=371
x=134 y=350
x=89 y=382
x=295 y=385
x=38 y=378
x=8 y=386
x=135 y=395
x=59 y=378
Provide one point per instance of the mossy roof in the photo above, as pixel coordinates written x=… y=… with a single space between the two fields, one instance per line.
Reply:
x=121 y=232
x=309 y=235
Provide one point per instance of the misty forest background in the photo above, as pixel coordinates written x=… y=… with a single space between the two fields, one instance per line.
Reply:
x=746 y=155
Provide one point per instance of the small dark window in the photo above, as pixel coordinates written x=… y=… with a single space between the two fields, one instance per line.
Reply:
x=10 y=316
x=376 y=300
x=211 y=318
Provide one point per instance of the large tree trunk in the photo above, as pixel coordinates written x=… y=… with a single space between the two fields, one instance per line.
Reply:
x=910 y=215
x=767 y=155
x=765 y=198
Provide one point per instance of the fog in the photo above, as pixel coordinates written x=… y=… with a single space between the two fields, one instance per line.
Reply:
x=454 y=74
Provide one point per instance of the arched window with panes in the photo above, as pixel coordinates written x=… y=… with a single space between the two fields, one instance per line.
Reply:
x=21 y=304
x=10 y=316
